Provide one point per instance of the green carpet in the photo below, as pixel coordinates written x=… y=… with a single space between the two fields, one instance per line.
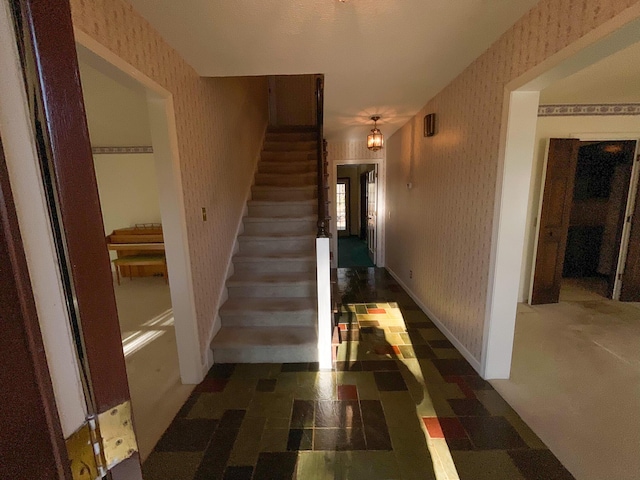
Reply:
x=352 y=252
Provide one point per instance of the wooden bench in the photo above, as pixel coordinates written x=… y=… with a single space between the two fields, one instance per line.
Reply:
x=141 y=261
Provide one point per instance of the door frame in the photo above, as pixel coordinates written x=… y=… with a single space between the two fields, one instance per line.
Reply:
x=515 y=162
x=347 y=204
x=34 y=430
x=382 y=176
x=623 y=247
x=193 y=367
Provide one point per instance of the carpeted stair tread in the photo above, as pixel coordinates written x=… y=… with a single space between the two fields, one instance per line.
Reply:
x=270 y=278
x=238 y=337
x=273 y=304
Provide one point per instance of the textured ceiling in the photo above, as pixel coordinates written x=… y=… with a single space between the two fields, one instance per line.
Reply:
x=386 y=57
x=615 y=79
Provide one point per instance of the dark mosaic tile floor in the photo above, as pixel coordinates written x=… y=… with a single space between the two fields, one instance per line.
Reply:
x=402 y=403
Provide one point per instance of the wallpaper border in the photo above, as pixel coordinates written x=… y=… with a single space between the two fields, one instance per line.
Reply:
x=121 y=150
x=594 y=109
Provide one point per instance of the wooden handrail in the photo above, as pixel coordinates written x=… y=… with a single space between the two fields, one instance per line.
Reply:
x=323 y=210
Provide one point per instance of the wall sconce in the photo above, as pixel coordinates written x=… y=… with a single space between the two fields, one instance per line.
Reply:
x=375 y=140
x=430 y=125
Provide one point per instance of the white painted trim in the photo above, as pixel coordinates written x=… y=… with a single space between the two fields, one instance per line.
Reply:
x=626 y=229
x=192 y=361
x=536 y=232
x=619 y=32
x=324 y=324
x=447 y=333
x=382 y=211
x=512 y=200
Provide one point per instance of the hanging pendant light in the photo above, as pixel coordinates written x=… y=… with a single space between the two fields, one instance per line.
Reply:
x=375 y=140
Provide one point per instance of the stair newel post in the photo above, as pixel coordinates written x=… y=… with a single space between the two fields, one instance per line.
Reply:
x=323 y=255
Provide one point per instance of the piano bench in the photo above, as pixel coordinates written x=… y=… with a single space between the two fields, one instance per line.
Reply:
x=140 y=261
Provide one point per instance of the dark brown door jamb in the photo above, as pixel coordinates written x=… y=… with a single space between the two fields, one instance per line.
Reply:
x=31 y=442
x=47 y=48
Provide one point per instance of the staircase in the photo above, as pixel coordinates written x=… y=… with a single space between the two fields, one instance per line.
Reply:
x=270 y=315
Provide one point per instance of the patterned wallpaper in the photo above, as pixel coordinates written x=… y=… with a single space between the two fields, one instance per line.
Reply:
x=220 y=125
x=295 y=99
x=441 y=228
x=352 y=151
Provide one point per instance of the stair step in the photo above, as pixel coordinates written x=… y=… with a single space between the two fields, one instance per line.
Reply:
x=286 y=179
x=275 y=244
x=289 y=284
x=288 y=167
x=300 y=166
x=291 y=136
x=269 y=192
x=303 y=262
x=306 y=146
x=273 y=312
x=271 y=208
x=301 y=156
x=265 y=345
x=280 y=225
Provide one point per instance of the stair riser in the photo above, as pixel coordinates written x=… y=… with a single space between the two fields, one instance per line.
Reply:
x=279 y=227
x=282 y=194
x=306 y=146
x=287 y=167
x=276 y=319
x=284 y=210
x=289 y=266
x=300 y=289
x=288 y=156
x=283 y=246
x=286 y=180
x=291 y=137
x=279 y=354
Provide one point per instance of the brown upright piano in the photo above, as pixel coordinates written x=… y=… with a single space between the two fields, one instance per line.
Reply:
x=140 y=251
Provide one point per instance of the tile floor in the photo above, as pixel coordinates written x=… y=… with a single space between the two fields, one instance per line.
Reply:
x=401 y=404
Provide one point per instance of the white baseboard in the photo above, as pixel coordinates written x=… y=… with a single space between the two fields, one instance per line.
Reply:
x=447 y=333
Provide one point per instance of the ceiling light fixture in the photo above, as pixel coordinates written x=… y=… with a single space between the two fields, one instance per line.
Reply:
x=375 y=140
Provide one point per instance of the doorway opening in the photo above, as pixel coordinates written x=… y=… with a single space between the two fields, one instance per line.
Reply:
x=131 y=160
x=585 y=199
x=356 y=214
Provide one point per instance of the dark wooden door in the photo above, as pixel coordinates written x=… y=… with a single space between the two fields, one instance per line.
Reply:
x=554 y=219
x=372 y=212
x=31 y=443
x=631 y=277
x=47 y=49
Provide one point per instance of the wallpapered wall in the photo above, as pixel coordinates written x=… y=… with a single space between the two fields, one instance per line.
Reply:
x=295 y=100
x=441 y=228
x=220 y=125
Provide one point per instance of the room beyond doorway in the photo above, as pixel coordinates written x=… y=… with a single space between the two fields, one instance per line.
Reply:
x=356 y=214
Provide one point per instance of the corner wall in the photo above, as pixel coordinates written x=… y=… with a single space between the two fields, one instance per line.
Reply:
x=442 y=228
x=220 y=127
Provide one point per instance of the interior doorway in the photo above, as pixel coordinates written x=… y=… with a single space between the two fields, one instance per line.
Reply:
x=128 y=171
x=356 y=215
x=585 y=199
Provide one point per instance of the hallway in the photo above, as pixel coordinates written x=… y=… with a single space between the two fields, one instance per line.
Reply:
x=402 y=403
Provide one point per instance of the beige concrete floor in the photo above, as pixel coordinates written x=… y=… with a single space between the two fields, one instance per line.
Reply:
x=149 y=343
x=575 y=380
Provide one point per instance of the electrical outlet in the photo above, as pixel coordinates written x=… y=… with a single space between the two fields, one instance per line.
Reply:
x=410 y=273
